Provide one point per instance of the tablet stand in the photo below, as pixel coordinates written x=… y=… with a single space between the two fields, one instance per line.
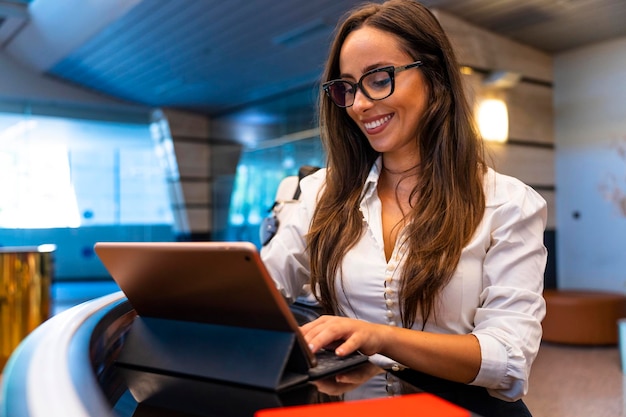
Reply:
x=265 y=359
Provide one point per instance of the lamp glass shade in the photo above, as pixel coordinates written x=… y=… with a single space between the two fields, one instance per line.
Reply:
x=493 y=120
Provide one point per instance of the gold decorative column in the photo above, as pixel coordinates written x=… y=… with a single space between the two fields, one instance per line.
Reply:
x=25 y=279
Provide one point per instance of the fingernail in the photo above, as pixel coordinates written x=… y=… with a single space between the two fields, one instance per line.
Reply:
x=311 y=346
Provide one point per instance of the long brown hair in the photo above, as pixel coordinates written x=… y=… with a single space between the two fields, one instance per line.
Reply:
x=451 y=200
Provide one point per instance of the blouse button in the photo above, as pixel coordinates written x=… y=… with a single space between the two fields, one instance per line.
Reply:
x=388 y=291
x=389 y=302
x=389 y=313
x=391 y=323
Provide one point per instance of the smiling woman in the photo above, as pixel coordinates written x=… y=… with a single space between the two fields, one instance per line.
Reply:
x=409 y=241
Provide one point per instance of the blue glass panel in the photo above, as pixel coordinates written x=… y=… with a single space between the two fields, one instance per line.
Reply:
x=259 y=173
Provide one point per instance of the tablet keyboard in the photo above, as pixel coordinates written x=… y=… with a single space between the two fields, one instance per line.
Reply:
x=328 y=362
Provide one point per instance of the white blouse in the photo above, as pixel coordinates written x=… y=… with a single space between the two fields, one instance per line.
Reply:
x=495 y=293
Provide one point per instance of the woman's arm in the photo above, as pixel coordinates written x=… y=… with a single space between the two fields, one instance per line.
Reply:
x=452 y=357
x=507 y=322
x=285 y=255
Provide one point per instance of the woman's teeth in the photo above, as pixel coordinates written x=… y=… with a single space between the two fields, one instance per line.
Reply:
x=377 y=123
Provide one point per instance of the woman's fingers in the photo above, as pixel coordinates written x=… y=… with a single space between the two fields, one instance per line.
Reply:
x=344 y=334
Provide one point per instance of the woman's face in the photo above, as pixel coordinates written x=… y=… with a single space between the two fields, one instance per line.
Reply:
x=390 y=124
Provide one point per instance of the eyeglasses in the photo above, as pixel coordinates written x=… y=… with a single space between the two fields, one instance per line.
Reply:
x=376 y=84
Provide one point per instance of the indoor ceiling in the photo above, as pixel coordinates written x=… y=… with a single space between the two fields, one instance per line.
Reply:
x=219 y=57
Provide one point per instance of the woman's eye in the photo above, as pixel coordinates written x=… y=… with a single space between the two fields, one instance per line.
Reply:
x=382 y=83
x=378 y=81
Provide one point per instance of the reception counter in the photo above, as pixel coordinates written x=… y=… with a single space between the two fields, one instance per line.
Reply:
x=60 y=369
x=67 y=367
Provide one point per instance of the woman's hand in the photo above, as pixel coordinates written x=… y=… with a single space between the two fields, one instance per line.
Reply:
x=345 y=334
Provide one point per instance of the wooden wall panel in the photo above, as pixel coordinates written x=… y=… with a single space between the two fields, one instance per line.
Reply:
x=193 y=159
x=187 y=125
x=224 y=162
x=200 y=221
x=533 y=165
x=207 y=167
x=531 y=113
x=190 y=135
x=197 y=193
x=480 y=48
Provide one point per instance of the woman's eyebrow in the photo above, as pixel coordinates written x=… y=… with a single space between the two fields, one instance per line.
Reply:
x=366 y=69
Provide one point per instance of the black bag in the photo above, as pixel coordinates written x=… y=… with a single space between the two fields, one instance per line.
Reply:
x=269 y=225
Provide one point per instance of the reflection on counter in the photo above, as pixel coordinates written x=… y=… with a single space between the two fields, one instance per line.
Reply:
x=151 y=394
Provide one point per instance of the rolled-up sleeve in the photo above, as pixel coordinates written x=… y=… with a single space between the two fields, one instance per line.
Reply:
x=508 y=320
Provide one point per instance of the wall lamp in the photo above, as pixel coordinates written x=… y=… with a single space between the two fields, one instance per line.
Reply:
x=493 y=120
x=492 y=112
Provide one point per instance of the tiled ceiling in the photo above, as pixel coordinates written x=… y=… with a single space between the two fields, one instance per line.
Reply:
x=210 y=55
x=217 y=56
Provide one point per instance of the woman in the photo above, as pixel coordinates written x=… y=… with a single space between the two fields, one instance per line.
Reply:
x=421 y=255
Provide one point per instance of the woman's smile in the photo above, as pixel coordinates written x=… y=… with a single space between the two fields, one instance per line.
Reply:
x=377 y=125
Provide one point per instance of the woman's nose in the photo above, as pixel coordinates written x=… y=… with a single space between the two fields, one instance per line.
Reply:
x=361 y=101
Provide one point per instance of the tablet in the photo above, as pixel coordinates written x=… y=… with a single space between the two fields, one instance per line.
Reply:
x=218 y=283
x=223 y=283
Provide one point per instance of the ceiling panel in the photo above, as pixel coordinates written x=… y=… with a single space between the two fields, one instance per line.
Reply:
x=216 y=56
x=210 y=55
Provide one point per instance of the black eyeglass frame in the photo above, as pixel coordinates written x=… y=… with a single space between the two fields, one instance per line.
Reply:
x=390 y=70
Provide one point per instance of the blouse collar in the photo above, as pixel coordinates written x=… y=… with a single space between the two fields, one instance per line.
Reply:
x=371 y=181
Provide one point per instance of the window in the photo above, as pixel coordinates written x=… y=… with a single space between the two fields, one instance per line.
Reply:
x=74 y=182
x=71 y=173
x=259 y=173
